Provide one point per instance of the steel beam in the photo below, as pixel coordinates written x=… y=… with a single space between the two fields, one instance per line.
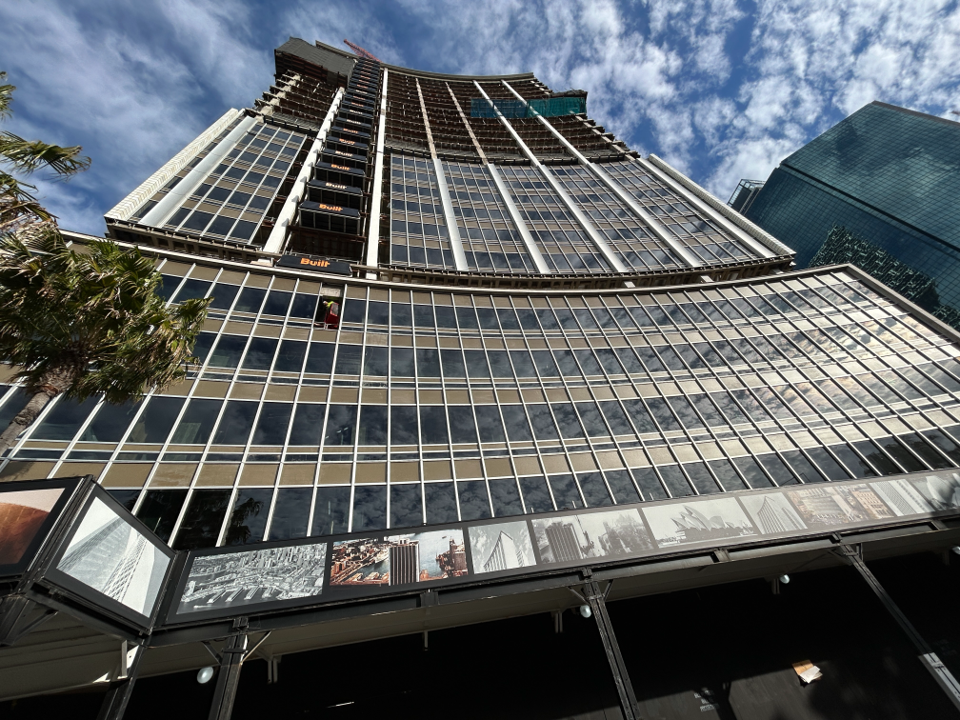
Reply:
x=621 y=678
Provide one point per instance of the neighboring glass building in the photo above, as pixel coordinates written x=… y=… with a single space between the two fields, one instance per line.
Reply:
x=505 y=326
x=888 y=176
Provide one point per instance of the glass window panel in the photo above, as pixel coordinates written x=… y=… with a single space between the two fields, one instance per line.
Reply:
x=446 y=318
x=155 y=421
x=500 y=364
x=423 y=316
x=628 y=358
x=290 y=357
x=378 y=313
x=348 y=360
x=528 y=320
x=452 y=361
x=542 y=422
x=304 y=306
x=684 y=410
x=474 y=504
x=608 y=359
x=291 y=512
x=160 y=509
x=650 y=359
x=594 y=489
x=428 y=363
x=403 y=425
x=201 y=348
x=401 y=315
x=248 y=519
x=110 y=423
x=236 y=423
x=462 y=429
x=354 y=311
x=376 y=361
x=250 y=300
x=340 y=423
x=202 y=520
x=930 y=456
x=273 y=423
x=260 y=354
x=127 y=498
x=401 y=362
x=777 y=469
x=622 y=486
x=406 y=506
x=476 y=364
x=508 y=319
x=64 y=420
x=616 y=418
x=675 y=481
x=488 y=423
x=536 y=495
x=828 y=466
x=877 y=458
x=727 y=474
x=227 y=352
x=589 y=415
x=223 y=295
x=307 y=424
x=588 y=362
x=516 y=423
x=545 y=364
x=857 y=465
x=467 y=318
x=547 y=319
x=320 y=359
x=331 y=510
x=659 y=409
x=278 y=302
x=649 y=484
x=197 y=422
x=701 y=478
x=168 y=286
x=803 y=468
x=565 y=492
x=488 y=318
x=369 y=507
x=506 y=497
x=441 y=503
x=433 y=424
x=522 y=364
x=752 y=472
x=945 y=443
x=373 y=425
x=567 y=364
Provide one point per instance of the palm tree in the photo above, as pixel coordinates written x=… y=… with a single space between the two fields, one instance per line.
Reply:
x=17 y=206
x=85 y=322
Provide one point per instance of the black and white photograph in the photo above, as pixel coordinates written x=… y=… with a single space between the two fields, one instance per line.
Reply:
x=111 y=556
x=903 y=497
x=830 y=505
x=941 y=490
x=503 y=546
x=613 y=533
x=698 y=521
x=772 y=513
x=235 y=579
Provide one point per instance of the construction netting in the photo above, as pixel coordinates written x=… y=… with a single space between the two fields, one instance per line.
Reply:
x=509 y=108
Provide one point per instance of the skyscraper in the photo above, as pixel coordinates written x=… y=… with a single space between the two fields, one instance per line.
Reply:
x=888 y=179
x=442 y=298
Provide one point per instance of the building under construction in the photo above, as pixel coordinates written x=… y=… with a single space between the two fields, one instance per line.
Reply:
x=471 y=359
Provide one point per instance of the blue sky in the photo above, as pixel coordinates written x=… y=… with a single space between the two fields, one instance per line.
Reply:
x=721 y=89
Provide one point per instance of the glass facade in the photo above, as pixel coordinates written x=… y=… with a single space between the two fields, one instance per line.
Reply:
x=887 y=176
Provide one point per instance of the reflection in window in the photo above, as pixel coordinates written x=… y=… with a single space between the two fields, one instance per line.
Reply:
x=64 y=420
x=406 y=506
x=373 y=425
x=622 y=486
x=290 y=357
x=515 y=419
x=291 y=511
x=536 y=495
x=110 y=423
x=160 y=509
x=462 y=429
x=155 y=421
x=307 y=424
x=331 y=511
x=202 y=520
x=505 y=497
x=649 y=484
x=320 y=359
x=236 y=423
x=565 y=492
x=433 y=424
x=441 y=502
x=272 y=424
x=228 y=350
x=340 y=424
x=369 y=507
x=260 y=354
x=474 y=504
x=594 y=489
x=249 y=516
x=197 y=422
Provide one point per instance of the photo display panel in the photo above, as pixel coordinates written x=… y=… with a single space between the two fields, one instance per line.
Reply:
x=111 y=560
x=226 y=582
x=28 y=511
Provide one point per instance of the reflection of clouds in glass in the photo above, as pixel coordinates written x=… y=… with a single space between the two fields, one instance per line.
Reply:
x=488 y=423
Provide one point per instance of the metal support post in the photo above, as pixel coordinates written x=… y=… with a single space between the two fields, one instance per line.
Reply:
x=234 y=653
x=115 y=702
x=944 y=678
x=598 y=605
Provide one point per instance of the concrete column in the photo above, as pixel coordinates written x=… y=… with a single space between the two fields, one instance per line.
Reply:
x=376 y=199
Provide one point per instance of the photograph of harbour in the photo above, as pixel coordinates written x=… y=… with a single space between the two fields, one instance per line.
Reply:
x=22 y=514
x=698 y=521
x=569 y=538
x=942 y=491
x=236 y=579
x=398 y=559
x=825 y=505
x=111 y=556
x=503 y=546
x=902 y=496
x=772 y=513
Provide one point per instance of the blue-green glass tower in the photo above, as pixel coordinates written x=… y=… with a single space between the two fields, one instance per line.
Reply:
x=888 y=180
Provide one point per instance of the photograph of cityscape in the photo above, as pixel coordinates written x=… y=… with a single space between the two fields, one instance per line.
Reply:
x=570 y=538
x=772 y=513
x=399 y=559
x=829 y=505
x=111 y=556
x=902 y=496
x=941 y=491
x=22 y=513
x=698 y=521
x=236 y=579
x=503 y=546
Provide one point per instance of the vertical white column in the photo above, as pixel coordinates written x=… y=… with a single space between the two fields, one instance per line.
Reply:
x=278 y=235
x=376 y=192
